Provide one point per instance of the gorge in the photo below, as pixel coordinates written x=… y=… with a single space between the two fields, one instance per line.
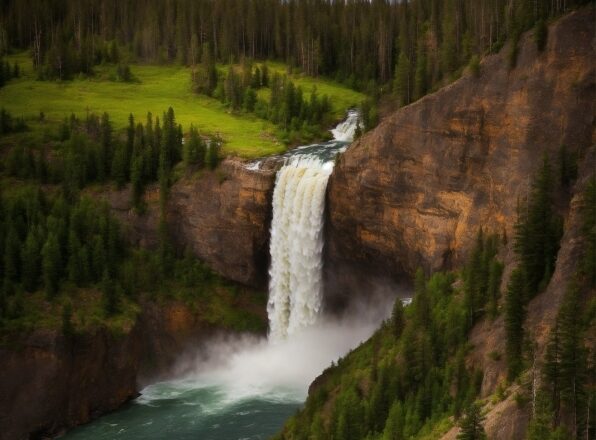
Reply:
x=233 y=386
x=278 y=315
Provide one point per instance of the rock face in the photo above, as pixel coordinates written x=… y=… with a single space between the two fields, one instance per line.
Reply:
x=50 y=382
x=414 y=191
x=224 y=217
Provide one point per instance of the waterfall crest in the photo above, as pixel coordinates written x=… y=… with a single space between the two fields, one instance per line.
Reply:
x=295 y=286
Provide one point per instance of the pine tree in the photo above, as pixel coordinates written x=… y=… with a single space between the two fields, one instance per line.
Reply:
x=402 y=81
x=51 y=264
x=105 y=151
x=136 y=178
x=12 y=255
x=119 y=164
x=420 y=83
x=394 y=423
x=494 y=285
x=397 y=318
x=514 y=320
x=471 y=424
x=31 y=261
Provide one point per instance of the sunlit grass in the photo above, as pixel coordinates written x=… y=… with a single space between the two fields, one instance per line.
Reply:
x=156 y=89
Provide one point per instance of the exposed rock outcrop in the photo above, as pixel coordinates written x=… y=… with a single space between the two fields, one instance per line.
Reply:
x=415 y=190
x=224 y=217
x=50 y=382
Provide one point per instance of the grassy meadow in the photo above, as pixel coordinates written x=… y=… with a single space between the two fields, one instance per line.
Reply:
x=156 y=88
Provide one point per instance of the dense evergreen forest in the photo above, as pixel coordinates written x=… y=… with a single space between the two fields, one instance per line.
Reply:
x=409 y=46
x=63 y=249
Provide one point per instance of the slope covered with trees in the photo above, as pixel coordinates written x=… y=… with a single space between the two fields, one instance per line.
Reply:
x=368 y=44
x=414 y=378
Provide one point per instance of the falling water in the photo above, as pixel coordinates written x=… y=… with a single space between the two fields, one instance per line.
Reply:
x=295 y=287
x=346 y=130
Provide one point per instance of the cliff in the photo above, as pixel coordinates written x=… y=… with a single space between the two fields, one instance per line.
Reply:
x=414 y=191
x=51 y=382
x=222 y=216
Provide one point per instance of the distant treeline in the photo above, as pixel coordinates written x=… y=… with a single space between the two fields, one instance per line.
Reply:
x=362 y=43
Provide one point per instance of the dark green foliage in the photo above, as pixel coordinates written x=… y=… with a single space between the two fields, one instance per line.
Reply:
x=474 y=66
x=123 y=73
x=52 y=265
x=538 y=231
x=494 y=286
x=480 y=289
x=515 y=313
x=369 y=115
x=471 y=424
x=588 y=261
x=513 y=49
x=205 y=77
x=194 y=149
x=403 y=81
x=355 y=41
x=287 y=106
x=404 y=378
x=397 y=318
x=540 y=34
x=9 y=124
x=212 y=154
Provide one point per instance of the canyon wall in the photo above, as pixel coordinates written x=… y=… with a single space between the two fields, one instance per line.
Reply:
x=50 y=381
x=414 y=191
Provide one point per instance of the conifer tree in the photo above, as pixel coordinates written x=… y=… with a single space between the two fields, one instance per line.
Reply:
x=471 y=424
x=515 y=313
x=51 y=264
x=31 y=261
x=397 y=318
x=402 y=84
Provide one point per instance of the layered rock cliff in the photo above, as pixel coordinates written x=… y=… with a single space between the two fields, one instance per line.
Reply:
x=224 y=217
x=414 y=191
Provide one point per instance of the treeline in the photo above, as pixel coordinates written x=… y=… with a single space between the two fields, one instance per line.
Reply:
x=538 y=231
x=286 y=107
x=10 y=124
x=49 y=241
x=563 y=386
x=412 y=373
x=8 y=72
x=90 y=151
x=363 y=43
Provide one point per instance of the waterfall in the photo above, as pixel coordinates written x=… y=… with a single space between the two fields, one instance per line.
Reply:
x=346 y=130
x=296 y=247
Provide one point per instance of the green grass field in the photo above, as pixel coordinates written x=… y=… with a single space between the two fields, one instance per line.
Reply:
x=158 y=88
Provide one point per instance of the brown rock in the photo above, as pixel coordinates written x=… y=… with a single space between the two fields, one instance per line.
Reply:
x=415 y=190
x=224 y=217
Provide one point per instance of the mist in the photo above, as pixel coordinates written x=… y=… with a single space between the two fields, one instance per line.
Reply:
x=244 y=367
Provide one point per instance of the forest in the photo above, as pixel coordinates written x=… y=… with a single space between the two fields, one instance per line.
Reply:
x=417 y=45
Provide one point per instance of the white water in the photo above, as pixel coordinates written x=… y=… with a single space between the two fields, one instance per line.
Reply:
x=295 y=286
x=346 y=130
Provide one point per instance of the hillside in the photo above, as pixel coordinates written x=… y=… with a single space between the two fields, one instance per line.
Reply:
x=415 y=192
